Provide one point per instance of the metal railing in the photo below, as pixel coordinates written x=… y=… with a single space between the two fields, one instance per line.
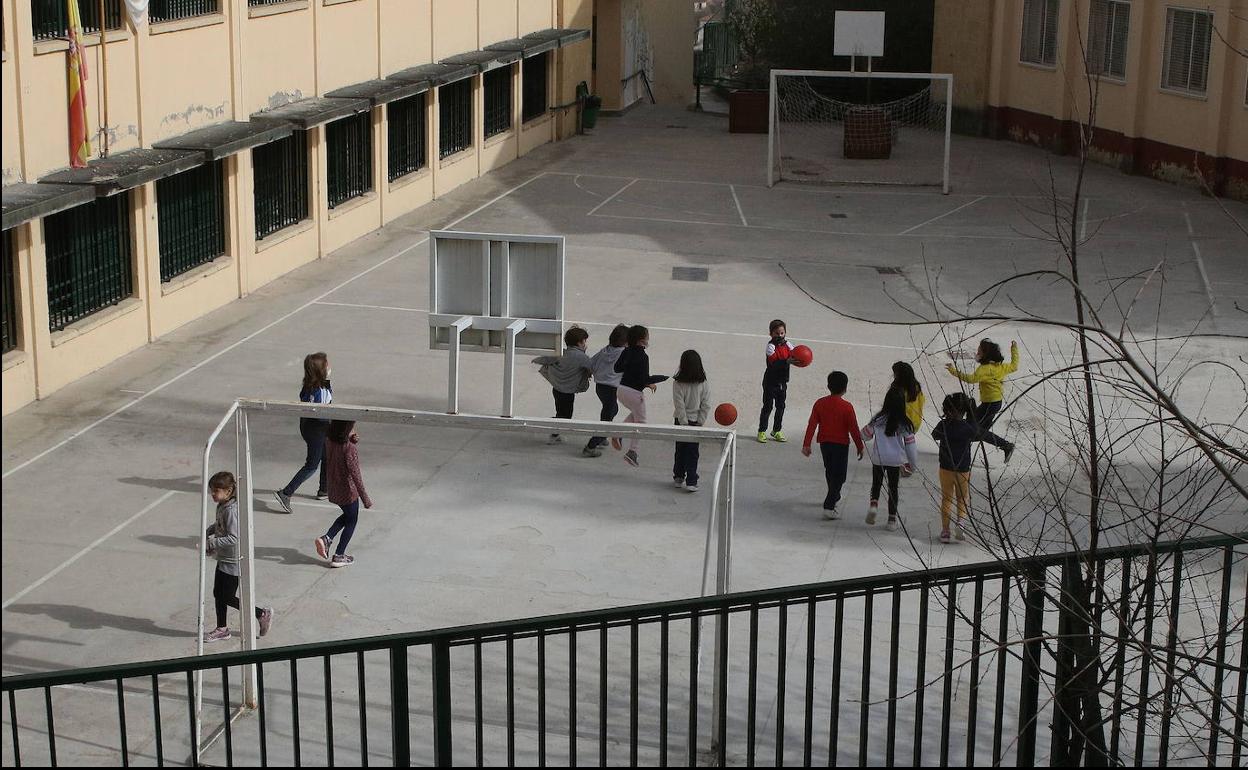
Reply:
x=171 y=10
x=971 y=654
x=190 y=209
x=348 y=158
x=88 y=250
x=280 y=171
x=49 y=19
x=405 y=129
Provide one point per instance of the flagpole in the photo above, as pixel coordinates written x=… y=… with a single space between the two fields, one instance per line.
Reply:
x=103 y=82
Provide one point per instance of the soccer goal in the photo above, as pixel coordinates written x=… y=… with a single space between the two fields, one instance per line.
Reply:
x=885 y=128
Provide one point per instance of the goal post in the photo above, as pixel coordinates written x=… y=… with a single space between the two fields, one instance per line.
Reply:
x=848 y=128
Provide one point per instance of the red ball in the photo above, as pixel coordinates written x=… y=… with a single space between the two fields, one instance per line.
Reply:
x=802 y=355
x=725 y=414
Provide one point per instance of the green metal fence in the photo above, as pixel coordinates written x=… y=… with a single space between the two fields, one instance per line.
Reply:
x=89 y=259
x=533 y=97
x=407 y=140
x=49 y=19
x=169 y=10
x=280 y=171
x=349 y=158
x=964 y=664
x=497 y=83
x=191 y=218
x=8 y=323
x=714 y=64
x=454 y=118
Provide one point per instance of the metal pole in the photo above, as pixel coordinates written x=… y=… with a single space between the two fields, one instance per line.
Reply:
x=103 y=82
x=509 y=366
x=722 y=587
x=247 y=556
x=772 y=129
x=948 y=129
x=452 y=395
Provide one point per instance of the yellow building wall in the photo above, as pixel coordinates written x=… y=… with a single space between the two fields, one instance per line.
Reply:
x=279 y=66
x=179 y=92
x=405 y=35
x=670 y=28
x=339 y=65
x=11 y=139
x=537 y=15
x=454 y=27
x=499 y=20
x=573 y=64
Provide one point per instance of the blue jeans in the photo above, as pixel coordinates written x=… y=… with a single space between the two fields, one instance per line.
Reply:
x=345 y=523
x=313 y=433
x=686 y=465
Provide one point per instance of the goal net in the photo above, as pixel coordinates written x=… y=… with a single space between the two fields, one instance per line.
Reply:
x=859 y=128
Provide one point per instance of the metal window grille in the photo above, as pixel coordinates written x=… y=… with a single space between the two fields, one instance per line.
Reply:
x=281 y=183
x=89 y=264
x=405 y=129
x=533 y=97
x=497 y=101
x=1109 y=24
x=9 y=329
x=349 y=156
x=169 y=10
x=1039 y=45
x=1188 y=36
x=266 y=2
x=49 y=19
x=454 y=118
x=191 y=218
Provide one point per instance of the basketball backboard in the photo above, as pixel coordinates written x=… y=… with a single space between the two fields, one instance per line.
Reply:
x=858 y=33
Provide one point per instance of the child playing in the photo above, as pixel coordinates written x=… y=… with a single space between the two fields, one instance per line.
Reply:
x=606 y=383
x=317 y=390
x=634 y=368
x=954 y=433
x=567 y=374
x=692 y=399
x=903 y=377
x=990 y=374
x=837 y=424
x=775 y=381
x=346 y=490
x=892 y=452
x=223 y=544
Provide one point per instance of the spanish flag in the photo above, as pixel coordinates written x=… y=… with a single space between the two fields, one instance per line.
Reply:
x=79 y=141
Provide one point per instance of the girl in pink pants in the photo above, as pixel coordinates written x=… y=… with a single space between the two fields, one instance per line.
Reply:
x=634 y=368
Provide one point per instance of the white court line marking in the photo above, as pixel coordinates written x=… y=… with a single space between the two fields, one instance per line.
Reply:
x=376 y=307
x=255 y=334
x=612 y=197
x=1010 y=237
x=1191 y=231
x=123 y=390
x=1200 y=261
x=666 y=329
x=65 y=564
x=737 y=201
x=1083 y=223
x=942 y=216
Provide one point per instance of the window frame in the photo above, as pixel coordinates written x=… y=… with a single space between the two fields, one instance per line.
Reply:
x=206 y=236
x=184 y=9
x=1042 y=61
x=1106 y=55
x=528 y=115
x=52 y=12
x=294 y=149
x=11 y=332
x=64 y=234
x=410 y=134
x=1172 y=12
x=462 y=93
x=352 y=138
x=497 y=114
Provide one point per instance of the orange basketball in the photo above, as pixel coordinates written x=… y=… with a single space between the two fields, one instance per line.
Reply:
x=802 y=355
x=725 y=414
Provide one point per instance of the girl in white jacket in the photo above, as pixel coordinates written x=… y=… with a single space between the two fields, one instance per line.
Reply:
x=692 y=398
x=892 y=452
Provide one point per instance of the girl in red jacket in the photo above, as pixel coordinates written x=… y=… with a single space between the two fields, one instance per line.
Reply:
x=346 y=489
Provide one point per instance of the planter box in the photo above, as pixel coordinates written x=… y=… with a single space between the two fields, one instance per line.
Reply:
x=868 y=134
x=747 y=112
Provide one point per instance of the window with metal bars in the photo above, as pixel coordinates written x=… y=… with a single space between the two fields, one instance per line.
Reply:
x=1188 y=36
x=169 y=10
x=405 y=130
x=1109 y=24
x=533 y=100
x=9 y=331
x=49 y=19
x=191 y=218
x=266 y=2
x=1039 y=42
x=349 y=158
x=89 y=264
x=454 y=118
x=497 y=84
x=280 y=171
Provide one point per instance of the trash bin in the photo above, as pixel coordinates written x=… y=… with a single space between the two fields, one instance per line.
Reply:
x=589 y=116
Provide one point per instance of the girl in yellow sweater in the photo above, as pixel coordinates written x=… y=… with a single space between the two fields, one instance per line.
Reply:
x=903 y=378
x=990 y=374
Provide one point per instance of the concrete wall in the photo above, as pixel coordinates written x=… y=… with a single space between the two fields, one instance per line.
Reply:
x=168 y=78
x=650 y=36
x=961 y=46
x=1141 y=127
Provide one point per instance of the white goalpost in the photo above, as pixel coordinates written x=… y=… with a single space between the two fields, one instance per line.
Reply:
x=884 y=128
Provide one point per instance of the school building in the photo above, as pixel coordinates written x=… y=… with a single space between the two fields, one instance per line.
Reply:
x=235 y=140
x=1170 y=78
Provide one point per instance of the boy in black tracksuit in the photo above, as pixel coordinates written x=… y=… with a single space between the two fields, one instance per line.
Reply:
x=775 y=381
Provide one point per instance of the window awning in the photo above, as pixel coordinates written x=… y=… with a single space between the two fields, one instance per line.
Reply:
x=127 y=170
x=225 y=139
x=381 y=91
x=436 y=74
x=312 y=112
x=540 y=42
x=484 y=61
x=24 y=202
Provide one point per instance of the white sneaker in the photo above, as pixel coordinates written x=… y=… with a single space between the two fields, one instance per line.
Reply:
x=958 y=533
x=555 y=438
x=892 y=525
x=678 y=482
x=691 y=487
x=831 y=515
x=871 y=511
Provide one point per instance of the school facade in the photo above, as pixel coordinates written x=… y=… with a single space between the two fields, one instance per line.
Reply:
x=1171 y=80
x=245 y=138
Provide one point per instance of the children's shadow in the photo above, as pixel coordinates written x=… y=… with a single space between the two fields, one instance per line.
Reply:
x=88 y=619
x=283 y=556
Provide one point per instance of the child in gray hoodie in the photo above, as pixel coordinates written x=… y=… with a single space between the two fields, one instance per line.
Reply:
x=223 y=544
x=607 y=383
x=567 y=374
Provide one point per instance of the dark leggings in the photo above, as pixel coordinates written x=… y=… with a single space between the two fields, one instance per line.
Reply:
x=313 y=433
x=610 y=408
x=225 y=593
x=985 y=416
x=345 y=523
x=877 y=481
x=774 y=393
x=685 y=467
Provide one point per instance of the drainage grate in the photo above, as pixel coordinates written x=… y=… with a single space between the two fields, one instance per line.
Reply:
x=883 y=270
x=835 y=215
x=673 y=125
x=690 y=273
